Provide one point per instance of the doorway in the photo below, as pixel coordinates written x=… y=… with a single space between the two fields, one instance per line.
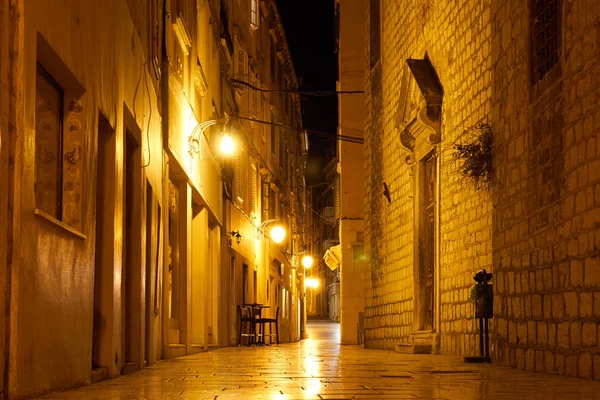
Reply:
x=427 y=242
x=104 y=249
x=132 y=249
x=245 y=299
x=151 y=271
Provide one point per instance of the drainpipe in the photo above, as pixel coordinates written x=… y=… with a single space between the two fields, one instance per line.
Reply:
x=164 y=99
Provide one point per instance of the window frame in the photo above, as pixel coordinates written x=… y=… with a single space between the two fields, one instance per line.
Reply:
x=254 y=15
x=538 y=62
x=61 y=117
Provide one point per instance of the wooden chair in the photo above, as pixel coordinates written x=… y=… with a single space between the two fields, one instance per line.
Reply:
x=245 y=315
x=264 y=321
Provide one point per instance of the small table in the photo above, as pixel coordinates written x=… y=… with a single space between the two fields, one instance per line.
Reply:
x=257 y=314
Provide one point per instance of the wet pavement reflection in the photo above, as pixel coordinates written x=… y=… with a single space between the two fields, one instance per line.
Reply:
x=319 y=368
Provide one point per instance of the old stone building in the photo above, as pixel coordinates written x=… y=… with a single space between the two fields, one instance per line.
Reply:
x=438 y=75
x=546 y=122
x=117 y=202
x=428 y=81
x=350 y=149
x=84 y=181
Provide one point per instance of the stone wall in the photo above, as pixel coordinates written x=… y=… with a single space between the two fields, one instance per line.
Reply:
x=547 y=193
x=457 y=39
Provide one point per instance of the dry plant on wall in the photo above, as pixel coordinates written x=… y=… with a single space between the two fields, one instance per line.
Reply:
x=476 y=156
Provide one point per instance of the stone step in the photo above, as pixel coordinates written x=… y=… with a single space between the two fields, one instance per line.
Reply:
x=414 y=348
x=99 y=374
x=130 y=368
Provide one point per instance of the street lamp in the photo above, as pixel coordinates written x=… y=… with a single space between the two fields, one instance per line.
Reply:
x=277 y=233
x=226 y=145
x=307 y=261
x=312 y=282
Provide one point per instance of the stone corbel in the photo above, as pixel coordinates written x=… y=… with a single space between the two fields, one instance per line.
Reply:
x=407 y=141
x=429 y=117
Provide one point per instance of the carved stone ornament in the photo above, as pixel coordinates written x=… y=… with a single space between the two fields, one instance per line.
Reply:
x=433 y=92
x=407 y=141
x=429 y=116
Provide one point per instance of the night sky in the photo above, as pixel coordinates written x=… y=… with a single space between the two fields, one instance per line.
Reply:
x=309 y=30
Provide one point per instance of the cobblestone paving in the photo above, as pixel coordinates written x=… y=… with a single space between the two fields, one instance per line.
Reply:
x=319 y=368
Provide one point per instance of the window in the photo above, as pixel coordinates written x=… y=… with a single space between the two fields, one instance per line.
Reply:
x=273 y=135
x=263 y=115
x=241 y=63
x=155 y=35
x=265 y=191
x=545 y=36
x=254 y=188
x=374 y=32
x=240 y=176
x=241 y=68
x=48 y=144
x=273 y=205
x=282 y=158
x=272 y=59
x=60 y=130
x=173 y=249
x=254 y=14
x=254 y=93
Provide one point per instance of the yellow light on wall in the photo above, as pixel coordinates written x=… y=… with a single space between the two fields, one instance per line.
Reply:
x=312 y=283
x=277 y=233
x=227 y=144
x=307 y=262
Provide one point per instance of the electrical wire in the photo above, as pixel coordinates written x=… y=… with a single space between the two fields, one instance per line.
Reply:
x=318 y=93
x=329 y=135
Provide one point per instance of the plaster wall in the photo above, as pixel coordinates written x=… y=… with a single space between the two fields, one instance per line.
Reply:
x=6 y=125
x=351 y=164
x=53 y=281
x=546 y=193
x=457 y=39
x=194 y=81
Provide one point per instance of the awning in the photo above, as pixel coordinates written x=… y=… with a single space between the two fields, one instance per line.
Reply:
x=333 y=257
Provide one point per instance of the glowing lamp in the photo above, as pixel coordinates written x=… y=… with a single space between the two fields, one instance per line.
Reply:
x=227 y=144
x=307 y=262
x=312 y=283
x=277 y=234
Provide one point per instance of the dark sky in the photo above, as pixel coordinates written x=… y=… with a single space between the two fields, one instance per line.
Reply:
x=309 y=30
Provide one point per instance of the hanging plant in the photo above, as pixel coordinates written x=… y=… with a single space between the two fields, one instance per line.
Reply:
x=476 y=156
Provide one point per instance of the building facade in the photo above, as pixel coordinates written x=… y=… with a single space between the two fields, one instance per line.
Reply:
x=427 y=82
x=119 y=206
x=322 y=239
x=519 y=79
x=546 y=122
x=350 y=149
x=265 y=185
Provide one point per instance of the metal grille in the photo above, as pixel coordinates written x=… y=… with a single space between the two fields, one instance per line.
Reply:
x=545 y=36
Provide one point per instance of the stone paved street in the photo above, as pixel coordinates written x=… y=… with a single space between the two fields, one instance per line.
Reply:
x=319 y=368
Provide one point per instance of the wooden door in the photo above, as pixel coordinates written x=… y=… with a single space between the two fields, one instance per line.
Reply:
x=427 y=251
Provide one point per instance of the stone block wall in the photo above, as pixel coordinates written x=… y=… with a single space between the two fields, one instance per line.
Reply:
x=546 y=237
x=457 y=39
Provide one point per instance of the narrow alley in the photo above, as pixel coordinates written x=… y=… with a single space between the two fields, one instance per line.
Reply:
x=319 y=368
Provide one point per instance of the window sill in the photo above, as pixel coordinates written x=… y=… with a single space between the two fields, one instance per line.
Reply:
x=60 y=224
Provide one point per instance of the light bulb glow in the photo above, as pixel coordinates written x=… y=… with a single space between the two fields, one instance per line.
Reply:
x=312 y=283
x=307 y=261
x=227 y=144
x=277 y=234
